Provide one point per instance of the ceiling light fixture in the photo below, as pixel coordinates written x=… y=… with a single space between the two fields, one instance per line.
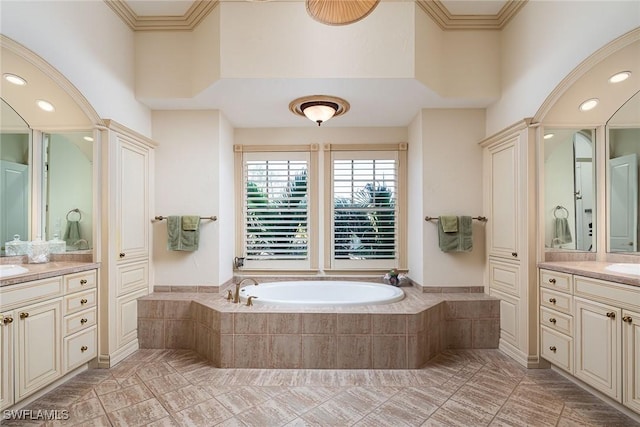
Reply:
x=620 y=77
x=333 y=12
x=16 y=80
x=87 y=138
x=319 y=108
x=548 y=136
x=589 y=104
x=45 y=105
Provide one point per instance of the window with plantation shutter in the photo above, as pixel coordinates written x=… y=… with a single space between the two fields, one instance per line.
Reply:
x=275 y=208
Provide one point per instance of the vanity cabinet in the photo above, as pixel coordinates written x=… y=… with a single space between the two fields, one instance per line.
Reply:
x=42 y=332
x=556 y=319
x=128 y=160
x=509 y=205
x=631 y=359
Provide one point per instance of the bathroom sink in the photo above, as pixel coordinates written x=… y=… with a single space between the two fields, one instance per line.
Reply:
x=624 y=268
x=11 y=270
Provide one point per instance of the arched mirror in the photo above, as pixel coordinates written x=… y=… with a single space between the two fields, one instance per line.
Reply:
x=623 y=130
x=569 y=189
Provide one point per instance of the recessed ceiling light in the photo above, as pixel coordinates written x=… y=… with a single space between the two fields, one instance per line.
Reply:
x=589 y=104
x=16 y=80
x=548 y=136
x=620 y=77
x=45 y=105
x=88 y=138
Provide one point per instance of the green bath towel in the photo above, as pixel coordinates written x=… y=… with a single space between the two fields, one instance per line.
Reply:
x=460 y=241
x=183 y=233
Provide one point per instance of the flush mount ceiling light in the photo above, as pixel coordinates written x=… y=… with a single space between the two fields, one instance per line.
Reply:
x=319 y=108
x=589 y=104
x=620 y=77
x=45 y=105
x=548 y=136
x=340 y=12
x=16 y=80
x=87 y=138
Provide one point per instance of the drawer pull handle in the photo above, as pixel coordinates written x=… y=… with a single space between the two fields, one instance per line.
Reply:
x=552 y=300
x=84 y=348
x=514 y=254
x=24 y=315
x=83 y=281
x=552 y=320
x=7 y=320
x=627 y=319
x=552 y=281
x=83 y=321
x=611 y=315
x=553 y=348
x=83 y=301
x=122 y=254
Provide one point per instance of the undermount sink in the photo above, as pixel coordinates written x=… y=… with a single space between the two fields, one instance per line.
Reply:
x=624 y=268
x=11 y=270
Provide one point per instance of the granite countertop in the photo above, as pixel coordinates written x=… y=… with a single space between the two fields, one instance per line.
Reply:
x=49 y=269
x=594 y=269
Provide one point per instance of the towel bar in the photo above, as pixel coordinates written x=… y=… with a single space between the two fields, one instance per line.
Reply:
x=435 y=218
x=211 y=218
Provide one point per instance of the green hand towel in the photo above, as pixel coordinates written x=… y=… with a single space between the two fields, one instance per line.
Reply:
x=449 y=223
x=72 y=233
x=173 y=233
x=190 y=222
x=183 y=233
x=460 y=241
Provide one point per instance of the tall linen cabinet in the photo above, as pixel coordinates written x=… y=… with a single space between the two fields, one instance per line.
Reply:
x=509 y=202
x=127 y=197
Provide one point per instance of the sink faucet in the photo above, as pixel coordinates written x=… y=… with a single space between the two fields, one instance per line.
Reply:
x=236 y=298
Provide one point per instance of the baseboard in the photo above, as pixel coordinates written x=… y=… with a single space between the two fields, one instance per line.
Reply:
x=107 y=361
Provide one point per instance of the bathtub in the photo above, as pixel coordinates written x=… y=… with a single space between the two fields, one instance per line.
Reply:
x=305 y=293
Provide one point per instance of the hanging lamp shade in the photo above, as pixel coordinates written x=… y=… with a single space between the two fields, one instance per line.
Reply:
x=340 y=12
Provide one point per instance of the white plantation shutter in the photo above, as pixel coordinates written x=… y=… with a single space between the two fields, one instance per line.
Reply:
x=275 y=207
x=364 y=208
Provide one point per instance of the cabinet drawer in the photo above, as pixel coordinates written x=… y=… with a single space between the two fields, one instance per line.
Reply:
x=555 y=280
x=556 y=348
x=556 y=300
x=504 y=276
x=29 y=292
x=624 y=296
x=79 y=301
x=79 y=321
x=80 y=348
x=80 y=281
x=555 y=320
x=131 y=277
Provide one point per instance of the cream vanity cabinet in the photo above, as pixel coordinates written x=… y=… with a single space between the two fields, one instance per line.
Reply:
x=37 y=346
x=128 y=160
x=509 y=203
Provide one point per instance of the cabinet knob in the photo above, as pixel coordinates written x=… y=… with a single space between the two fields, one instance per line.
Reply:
x=83 y=321
x=552 y=281
x=514 y=254
x=83 y=301
x=7 y=320
x=553 y=348
x=122 y=254
x=552 y=300
x=24 y=315
x=552 y=320
x=611 y=315
x=84 y=348
x=83 y=281
x=627 y=319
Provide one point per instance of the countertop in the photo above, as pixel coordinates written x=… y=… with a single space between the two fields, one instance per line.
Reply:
x=49 y=269
x=593 y=269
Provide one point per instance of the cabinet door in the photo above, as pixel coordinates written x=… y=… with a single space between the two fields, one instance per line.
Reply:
x=132 y=200
x=504 y=197
x=597 y=343
x=6 y=359
x=39 y=352
x=631 y=359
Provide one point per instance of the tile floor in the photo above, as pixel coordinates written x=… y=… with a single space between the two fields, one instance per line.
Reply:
x=461 y=388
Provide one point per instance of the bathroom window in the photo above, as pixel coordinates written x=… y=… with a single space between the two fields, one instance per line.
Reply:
x=275 y=210
x=366 y=207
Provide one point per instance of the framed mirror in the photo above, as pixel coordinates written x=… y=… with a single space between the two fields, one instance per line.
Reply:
x=623 y=130
x=15 y=164
x=569 y=189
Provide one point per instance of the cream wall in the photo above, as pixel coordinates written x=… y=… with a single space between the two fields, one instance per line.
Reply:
x=226 y=200
x=89 y=45
x=544 y=42
x=415 y=200
x=452 y=171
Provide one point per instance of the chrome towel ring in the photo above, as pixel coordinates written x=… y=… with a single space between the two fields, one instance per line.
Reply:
x=560 y=208
x=76 y=210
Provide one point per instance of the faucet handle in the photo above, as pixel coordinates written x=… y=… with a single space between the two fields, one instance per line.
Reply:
x=229 y=295
x=250 y=299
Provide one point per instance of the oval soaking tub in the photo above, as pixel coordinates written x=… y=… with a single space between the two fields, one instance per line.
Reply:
x=305 y=293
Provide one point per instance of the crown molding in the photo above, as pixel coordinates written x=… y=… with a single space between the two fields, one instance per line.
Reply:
x=187 y=22
x=439 y=13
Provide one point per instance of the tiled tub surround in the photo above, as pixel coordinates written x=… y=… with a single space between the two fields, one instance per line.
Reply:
x=401 y=335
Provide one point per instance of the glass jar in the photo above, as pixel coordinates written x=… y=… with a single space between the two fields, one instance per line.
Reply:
x=57 y=246
x=16 y=246
x=38 y=251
